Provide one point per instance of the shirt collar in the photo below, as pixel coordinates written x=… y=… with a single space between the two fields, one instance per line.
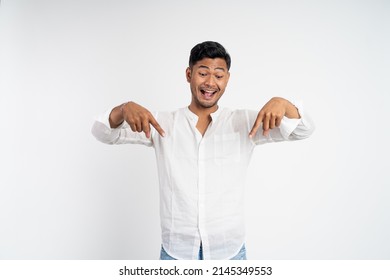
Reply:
x=194 y=117
x=215 y=115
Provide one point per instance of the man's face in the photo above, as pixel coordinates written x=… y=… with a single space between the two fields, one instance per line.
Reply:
x=208 y=79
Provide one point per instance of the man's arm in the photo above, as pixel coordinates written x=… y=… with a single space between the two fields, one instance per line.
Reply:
x=136 y=116
x=122 y=125
x=272 y=113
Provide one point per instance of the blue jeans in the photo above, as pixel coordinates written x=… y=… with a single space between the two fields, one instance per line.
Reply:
x=240 y=256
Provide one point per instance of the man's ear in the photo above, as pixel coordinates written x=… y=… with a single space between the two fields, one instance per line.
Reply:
x=188 y=74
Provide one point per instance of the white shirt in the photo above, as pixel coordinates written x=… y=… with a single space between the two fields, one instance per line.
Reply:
x=202 y=178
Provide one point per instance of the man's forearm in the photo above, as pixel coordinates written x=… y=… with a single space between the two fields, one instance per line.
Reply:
x=291 y=111
x=116 y=116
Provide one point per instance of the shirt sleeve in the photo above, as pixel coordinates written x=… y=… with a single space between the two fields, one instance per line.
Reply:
x=289 y=129
x=123 y=134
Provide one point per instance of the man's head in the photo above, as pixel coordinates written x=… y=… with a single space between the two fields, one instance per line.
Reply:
x=209 y=49
x=208 y=74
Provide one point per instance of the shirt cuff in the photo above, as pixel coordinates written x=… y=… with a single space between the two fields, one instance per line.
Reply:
x=105 y=119
x=289 y=125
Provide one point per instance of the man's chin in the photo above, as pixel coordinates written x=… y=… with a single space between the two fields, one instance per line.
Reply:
x=207 y=105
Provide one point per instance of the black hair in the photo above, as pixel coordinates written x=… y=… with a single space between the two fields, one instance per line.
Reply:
x=209 y=49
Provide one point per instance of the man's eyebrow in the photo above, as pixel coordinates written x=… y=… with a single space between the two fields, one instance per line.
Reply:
x=217 y=68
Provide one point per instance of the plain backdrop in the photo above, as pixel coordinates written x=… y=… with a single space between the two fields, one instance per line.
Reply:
x=64 y=195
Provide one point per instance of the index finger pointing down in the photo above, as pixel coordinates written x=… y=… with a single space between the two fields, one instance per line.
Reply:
x=157 y=126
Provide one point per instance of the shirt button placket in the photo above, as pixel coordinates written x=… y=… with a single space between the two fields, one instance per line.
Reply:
x=201 y=190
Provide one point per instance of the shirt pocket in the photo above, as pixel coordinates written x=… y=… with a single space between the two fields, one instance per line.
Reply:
x=227 y=148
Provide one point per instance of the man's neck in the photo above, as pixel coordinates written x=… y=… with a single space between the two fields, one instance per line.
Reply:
x=202 y=112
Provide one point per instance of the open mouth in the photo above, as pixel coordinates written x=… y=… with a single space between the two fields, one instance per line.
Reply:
x=207 y=93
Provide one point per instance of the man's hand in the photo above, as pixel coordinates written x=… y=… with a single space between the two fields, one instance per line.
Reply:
x=136 y=116
x=272 y=113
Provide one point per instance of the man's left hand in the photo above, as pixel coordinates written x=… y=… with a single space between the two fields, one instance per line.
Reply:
x=272 y=113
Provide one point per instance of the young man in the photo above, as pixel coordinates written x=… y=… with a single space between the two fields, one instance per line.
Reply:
x=202 y=153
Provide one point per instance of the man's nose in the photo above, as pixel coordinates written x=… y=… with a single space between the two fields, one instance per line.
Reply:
x=210 y=81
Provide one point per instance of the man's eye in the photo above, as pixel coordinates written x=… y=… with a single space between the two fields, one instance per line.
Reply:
x=203 y=74
x=219 y=77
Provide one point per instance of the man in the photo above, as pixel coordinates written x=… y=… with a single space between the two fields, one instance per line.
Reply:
x=202 y=153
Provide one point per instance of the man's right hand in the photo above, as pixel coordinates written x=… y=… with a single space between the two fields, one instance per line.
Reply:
x=138 y=117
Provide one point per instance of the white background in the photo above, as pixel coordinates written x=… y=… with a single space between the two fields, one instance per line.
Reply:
x=64 y=195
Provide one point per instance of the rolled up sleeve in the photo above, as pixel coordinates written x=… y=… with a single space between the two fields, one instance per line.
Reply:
x=121 y=135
